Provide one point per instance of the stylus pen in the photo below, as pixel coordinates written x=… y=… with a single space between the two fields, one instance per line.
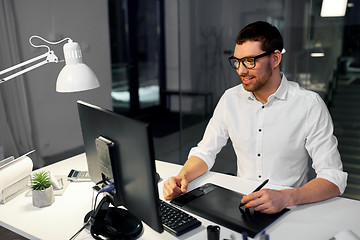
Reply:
x=256 y=189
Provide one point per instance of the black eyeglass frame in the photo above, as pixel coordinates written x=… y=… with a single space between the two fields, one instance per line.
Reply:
x=244 y=58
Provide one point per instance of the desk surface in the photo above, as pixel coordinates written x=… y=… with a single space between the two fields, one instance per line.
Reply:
x=61 y=220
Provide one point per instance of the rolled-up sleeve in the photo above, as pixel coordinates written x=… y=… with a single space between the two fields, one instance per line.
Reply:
x=215 y=137
x=321 y=145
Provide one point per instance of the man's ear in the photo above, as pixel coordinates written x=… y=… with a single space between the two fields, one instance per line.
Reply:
x=276 y=57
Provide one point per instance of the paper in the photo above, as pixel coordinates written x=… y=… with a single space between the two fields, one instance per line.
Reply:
x=345 y=235
x=14 y=172
x=6 y=161
x=9 y=160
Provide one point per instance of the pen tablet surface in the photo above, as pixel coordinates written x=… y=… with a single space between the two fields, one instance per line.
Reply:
x=221 y=205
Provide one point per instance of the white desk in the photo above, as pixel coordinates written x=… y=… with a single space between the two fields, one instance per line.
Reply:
x=62 y=219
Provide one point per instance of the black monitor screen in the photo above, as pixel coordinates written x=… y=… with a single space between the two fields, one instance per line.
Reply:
x=133 y=165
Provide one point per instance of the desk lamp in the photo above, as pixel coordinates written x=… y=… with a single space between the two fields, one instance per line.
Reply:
x=74 y=77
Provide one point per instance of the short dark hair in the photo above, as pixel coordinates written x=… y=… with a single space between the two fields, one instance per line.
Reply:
x=263 y=32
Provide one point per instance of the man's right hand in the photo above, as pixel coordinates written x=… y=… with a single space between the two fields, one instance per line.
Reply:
x=174 y=187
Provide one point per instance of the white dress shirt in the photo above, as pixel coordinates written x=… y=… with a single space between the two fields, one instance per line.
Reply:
x=275 y=140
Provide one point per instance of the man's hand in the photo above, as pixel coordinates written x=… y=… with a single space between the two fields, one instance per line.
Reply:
x=267 y=200
x=192 y=169
x=273 y=201
x=174 y=186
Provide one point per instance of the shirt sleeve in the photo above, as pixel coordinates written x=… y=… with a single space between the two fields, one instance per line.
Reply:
x=321 y=145
x=214 y=138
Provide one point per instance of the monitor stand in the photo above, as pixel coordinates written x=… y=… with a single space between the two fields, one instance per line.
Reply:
x=112 y=222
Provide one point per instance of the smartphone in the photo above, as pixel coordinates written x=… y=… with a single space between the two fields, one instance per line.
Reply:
x=79 y=176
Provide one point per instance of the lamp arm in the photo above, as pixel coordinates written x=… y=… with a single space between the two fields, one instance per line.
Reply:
x=50 y=57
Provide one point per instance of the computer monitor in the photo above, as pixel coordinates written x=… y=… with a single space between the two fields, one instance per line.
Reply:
x=132 y=160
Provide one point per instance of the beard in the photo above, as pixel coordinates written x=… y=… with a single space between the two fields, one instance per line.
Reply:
x=260 y=80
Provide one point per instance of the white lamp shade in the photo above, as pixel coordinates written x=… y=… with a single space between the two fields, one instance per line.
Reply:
x=75 y=78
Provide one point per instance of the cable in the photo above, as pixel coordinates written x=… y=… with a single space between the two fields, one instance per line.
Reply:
x=45 y=46
x=89 y=220
x=94 y=207
x=78 y=232
x=106 y=188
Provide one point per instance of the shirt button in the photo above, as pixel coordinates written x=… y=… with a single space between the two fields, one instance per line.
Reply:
x=259 y=176
x=263 y=107
x=259 y=155
x=260 y=130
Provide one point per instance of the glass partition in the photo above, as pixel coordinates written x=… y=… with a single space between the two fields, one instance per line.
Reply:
x=175 y=68
x=136 y=55
x=321 y=55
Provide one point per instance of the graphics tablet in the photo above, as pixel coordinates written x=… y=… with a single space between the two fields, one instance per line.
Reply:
x=221 y=205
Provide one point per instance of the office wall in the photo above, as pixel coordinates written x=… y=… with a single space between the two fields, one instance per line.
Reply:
x=54 y=115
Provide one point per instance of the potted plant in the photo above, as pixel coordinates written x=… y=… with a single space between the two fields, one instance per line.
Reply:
x=42 y=190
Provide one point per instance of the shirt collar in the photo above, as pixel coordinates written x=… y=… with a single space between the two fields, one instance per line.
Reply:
x=280 y=93
x=283 y=88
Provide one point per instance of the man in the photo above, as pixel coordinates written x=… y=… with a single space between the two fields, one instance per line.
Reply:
x=274 y=125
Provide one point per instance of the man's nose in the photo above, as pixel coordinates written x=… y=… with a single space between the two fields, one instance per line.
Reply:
x=242 y=69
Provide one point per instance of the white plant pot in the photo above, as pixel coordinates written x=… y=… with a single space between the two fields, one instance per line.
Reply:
x=43 y=198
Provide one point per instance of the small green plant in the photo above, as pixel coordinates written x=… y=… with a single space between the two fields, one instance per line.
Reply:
x=40 y=181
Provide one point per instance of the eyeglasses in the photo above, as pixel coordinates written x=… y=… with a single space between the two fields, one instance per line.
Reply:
x=248 y=62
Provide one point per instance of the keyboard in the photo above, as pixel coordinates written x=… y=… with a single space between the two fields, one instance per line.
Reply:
x=176 y=221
